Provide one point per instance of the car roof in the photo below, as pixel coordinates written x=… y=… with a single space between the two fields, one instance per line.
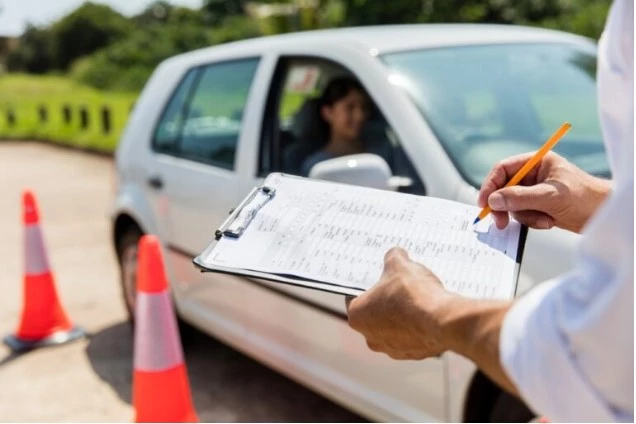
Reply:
x=392 y=38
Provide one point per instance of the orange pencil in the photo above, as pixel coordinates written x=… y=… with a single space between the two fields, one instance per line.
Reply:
x=534 y=160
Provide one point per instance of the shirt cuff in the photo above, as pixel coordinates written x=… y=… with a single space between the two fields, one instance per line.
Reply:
x=535 y=355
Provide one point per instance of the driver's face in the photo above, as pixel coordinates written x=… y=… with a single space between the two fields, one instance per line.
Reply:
x=347 y=116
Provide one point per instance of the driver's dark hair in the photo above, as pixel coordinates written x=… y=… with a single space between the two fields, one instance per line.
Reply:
x=338 y=88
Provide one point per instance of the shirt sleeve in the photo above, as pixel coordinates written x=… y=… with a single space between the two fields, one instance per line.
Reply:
x=568 y=344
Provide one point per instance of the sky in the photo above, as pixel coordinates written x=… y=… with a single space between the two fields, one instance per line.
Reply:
x=14 y=14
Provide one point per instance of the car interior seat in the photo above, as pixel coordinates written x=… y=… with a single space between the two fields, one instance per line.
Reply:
x=375 y=135
x=308 y=134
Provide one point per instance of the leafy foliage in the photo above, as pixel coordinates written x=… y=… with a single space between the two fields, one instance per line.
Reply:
x=127 y=64
x=585 y=17
x=86 y=30
x=107 y=50
x=34 y=53
x=216 y=11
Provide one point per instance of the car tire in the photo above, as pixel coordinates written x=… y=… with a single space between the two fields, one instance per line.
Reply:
x=127 y=256
x=510 y=409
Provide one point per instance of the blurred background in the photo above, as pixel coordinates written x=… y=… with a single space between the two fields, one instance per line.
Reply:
x=70 y=71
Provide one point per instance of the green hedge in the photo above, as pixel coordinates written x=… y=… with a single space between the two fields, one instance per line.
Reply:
x=23 y=95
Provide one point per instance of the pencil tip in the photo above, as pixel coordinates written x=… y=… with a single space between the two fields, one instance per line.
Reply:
x=476 y=220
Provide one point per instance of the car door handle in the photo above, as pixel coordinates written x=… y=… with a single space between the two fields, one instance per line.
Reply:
x=155 y=182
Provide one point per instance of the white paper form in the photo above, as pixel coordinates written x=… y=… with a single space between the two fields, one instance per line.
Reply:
x=339 y=234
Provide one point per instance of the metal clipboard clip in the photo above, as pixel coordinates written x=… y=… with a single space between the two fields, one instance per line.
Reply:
x=241 y=217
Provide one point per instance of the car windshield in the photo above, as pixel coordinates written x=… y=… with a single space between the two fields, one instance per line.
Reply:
x=486 y=103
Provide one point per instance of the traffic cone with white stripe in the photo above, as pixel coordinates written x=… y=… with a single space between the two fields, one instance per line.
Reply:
x=161 y=392
x=43 y=321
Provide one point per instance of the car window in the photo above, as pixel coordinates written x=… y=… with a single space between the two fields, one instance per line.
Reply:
x=169 y=127
x=213 y=117
x=486 y=103
x=300 y=133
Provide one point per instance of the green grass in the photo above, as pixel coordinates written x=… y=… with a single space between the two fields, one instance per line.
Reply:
x=24 y=94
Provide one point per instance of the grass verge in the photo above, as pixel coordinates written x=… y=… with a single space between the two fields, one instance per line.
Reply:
x=23 y=96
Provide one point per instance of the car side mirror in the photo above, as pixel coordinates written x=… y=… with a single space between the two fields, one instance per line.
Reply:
x=364 y=169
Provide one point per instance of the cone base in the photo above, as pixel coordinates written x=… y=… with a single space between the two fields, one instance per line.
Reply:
x=60 y=337
x=163 y=396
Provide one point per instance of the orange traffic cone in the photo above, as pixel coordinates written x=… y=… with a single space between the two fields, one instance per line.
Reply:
x=161 y=392
x=44 y=321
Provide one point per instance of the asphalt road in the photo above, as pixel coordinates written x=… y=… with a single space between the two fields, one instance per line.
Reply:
x=90 y=380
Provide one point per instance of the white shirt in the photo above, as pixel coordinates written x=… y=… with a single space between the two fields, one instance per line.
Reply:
x=568 y=345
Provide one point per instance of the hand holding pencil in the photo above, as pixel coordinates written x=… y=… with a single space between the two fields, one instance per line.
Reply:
x=542 y=190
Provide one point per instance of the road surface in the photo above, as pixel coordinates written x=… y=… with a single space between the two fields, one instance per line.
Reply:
x=90 y=380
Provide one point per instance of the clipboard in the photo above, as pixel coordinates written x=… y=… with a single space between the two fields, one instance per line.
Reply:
x=240 y=218
x=277 y=278
x=237 y=222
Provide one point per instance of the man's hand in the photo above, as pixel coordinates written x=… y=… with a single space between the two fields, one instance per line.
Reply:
x=398 y=315
x=409 y=315
x=554 y=193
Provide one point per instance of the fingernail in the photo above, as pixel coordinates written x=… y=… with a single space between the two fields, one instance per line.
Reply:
x=543 y=224
x=497 y=201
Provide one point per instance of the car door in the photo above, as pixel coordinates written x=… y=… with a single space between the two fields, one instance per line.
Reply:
x=305 y=332
x=195 y=179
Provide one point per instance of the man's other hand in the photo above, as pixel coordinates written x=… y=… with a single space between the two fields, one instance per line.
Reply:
x=399 y=315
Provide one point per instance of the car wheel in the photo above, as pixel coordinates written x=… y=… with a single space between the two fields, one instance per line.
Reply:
x=510 y=409
x=127 y=249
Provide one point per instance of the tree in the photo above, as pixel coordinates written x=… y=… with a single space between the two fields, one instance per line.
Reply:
x=234 y=28
x=278 y=16
x=494 y=11
x=157 y=12
x=86 y=30
x=34 y=52
x=126 y=64
x=217 y=10
x=373 y=12
x=586 y=19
